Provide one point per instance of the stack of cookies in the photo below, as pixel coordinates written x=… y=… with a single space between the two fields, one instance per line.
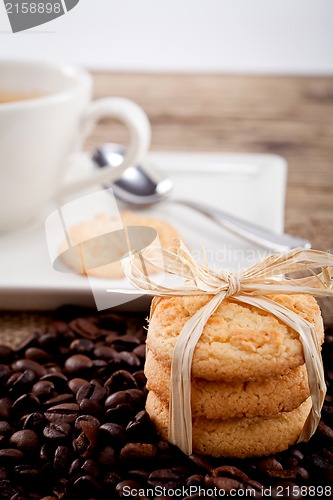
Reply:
x=250 y=393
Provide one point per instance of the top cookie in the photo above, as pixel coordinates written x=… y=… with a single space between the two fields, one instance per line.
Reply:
x=239 y=342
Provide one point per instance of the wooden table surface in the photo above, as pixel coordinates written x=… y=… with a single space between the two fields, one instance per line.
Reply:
x=289 y=116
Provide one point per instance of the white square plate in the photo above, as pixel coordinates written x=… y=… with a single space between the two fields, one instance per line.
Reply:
x=251 y=186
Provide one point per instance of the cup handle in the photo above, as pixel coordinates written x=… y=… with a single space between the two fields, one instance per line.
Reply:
x=138 y=124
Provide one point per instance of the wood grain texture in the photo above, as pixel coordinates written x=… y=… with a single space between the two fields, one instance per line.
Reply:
x=289 y=116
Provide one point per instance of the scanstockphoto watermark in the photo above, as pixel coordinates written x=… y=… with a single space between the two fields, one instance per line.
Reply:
x=187 y=491
x=277 y=491
x=24 y=15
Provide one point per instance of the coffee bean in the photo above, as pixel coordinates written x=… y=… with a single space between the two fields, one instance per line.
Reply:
x=28 y=364
x=5 y=373
x=4 y=474
x=121 y=414
x=114 y=433
x=269 y=464
x=111 y=479
x=5 y=408
x=25 y=440
x=28 y=403
x=140 y=352
x=53 y=368
x=27 y=473
x=140 y=475
x=5 y=428
x=295 y=452
x=62 y=458
x=85 y=418
x=34 y=421
x=86 y=442
x=59 y=380
x=111 y=336
x=76 y=383
x=49 y=341
x=75 y=468
x=197 y=480
x=225 y=484
x=140 y=379
x=64 y=413
x=39 y=355
x=57 y=431
x=91 y=391
x=302 y=473
x=6 y=354
x=20 y=382
x=140 y=428
x=60 y=399
x=78 y=363
x=125 y=343
x=46 y=453
x=60 y=489
x=86 y=487
x=120 y=381
x=129 y=359
x=325 y=432
x=89 y=467
x=138 y=452
x=85 y=328
x=90 y=408
x=43 y=389
x=107 y=456
x=229 y=471
x=200 y=461
x=10 y=455
x=168 y=478
x=105 y=353
x=118 y=398
x=82 y=346
x=113 y=322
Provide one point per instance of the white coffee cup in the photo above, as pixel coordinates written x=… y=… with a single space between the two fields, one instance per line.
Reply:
x=38 y=135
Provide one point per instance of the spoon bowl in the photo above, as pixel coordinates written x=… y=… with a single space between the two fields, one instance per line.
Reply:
x=138 y=186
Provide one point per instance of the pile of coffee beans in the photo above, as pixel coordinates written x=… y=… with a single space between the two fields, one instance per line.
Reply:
x=73 y=425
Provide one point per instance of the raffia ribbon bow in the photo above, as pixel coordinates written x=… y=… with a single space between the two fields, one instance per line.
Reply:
x=251 y=286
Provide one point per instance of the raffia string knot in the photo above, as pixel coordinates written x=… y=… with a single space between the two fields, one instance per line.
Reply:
x=234 y=284
x=252 y=286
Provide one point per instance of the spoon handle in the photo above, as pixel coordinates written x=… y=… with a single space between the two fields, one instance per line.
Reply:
x=247 y=230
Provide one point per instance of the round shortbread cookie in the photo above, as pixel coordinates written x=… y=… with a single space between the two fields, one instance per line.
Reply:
x=222 y=400
x=239 y=342
x=236 y=437
x=99 y=249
